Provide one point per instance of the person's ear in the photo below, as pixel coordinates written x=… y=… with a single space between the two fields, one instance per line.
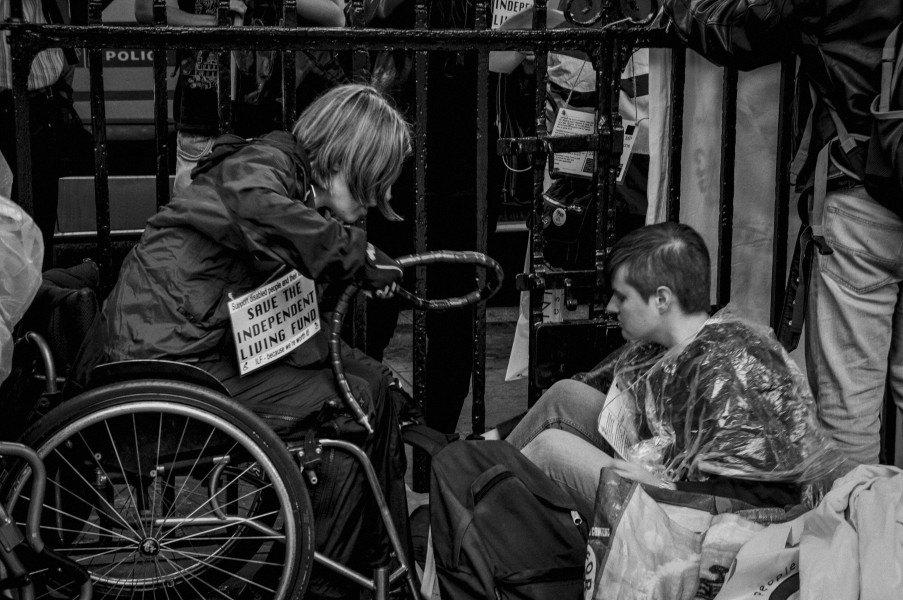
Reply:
x=663 y=298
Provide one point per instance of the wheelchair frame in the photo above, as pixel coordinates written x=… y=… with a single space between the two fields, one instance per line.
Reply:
x=126 y=393
x=140 y=390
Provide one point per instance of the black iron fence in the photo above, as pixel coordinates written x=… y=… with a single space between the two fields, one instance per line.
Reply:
x=607 y=48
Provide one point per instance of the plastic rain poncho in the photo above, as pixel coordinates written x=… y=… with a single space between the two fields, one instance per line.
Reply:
x=730 y=403
x=21 y=255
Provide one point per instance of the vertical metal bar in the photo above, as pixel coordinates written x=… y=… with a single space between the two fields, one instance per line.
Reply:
x=224 y=72
x=360 y=58
x=360 y=62
x=782 y=191
x=607 y=66
x=676 y=137
x=290 y=19
x=360 y=65
x=478 y=417
x=537 y=258
x=101 y=181
x=421 y=85
x=728 y=166
x=161 y=111
x=22 y=53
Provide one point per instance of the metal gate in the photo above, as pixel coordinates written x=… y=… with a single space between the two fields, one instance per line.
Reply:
x=608 y=49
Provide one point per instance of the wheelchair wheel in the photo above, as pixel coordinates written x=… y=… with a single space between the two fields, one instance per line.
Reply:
x=170 y=490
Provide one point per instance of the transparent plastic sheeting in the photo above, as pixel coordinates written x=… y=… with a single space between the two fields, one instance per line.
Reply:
x=21 y=255
x=730 y=403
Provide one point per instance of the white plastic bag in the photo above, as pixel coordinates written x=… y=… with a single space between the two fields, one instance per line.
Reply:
x=21 y=255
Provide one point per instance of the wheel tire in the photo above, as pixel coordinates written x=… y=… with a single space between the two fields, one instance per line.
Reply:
x=178 y=461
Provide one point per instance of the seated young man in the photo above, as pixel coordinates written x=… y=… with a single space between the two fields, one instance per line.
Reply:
x=708 y=404
x=254 y=210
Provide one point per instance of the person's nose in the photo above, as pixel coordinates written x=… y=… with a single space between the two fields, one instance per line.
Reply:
x=612 y=307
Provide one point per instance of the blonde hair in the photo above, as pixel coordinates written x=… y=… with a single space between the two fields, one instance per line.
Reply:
x=353 y=131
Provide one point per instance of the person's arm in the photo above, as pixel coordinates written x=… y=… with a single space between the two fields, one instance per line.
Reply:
x=325 y=13
x=258 y=187
x=144 y=13
x=739 y=33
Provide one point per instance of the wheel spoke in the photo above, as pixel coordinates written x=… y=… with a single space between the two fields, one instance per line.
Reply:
x=231 y=574
x=187 y=578
x=206 y=502
x=232 y=502
x=190 y=474
x=125 y=477
x=249 y=561
x=216 y=528
x=94 y=525
x=97 y=493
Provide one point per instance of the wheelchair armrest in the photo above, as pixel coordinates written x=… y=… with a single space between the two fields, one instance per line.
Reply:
x=129 y=370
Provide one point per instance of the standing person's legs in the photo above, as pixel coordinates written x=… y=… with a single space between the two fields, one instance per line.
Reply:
x=895 y=377
x=190 y=148
x=851 y=323
x=568 y=405
x=451 y=225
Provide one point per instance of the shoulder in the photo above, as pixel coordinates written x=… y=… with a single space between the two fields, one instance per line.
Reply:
x=739 y=347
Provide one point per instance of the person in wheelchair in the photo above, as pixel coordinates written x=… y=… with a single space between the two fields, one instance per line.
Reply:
x=255 y=209
x=708 y=404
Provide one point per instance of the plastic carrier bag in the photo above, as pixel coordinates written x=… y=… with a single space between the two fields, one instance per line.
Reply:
x=21 y=255
x=730 y=403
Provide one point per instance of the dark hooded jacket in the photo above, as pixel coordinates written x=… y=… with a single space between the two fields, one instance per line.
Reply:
x=838 y=42
x=242 y=219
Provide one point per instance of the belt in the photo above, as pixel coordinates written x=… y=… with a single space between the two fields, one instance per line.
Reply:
x=44 y=93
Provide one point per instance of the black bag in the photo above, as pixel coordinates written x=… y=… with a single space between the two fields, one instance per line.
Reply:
x=875 y=160
x=884 y=163
x=501 y=528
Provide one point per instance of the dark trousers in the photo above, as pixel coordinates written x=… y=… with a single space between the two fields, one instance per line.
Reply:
x=292 y=400
x=45 y=124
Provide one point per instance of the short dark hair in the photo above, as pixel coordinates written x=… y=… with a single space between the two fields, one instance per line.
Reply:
x=668 y=254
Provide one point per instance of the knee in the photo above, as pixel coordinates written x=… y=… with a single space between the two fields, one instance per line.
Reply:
x=562 y=395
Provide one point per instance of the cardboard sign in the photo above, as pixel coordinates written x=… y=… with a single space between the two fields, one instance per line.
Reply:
x=273 y=320
x=571 y=121
x=502 y=10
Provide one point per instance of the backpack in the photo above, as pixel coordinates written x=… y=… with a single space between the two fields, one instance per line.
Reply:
x=875 y=160
x=884 y=163
x=501 y=528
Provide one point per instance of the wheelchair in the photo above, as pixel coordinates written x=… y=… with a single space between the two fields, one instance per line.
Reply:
x=161 y=486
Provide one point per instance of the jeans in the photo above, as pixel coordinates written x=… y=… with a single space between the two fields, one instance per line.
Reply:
x=569 y=405
x=559 y=435
x=854 y=329
x=190 y=148
x=571 y=461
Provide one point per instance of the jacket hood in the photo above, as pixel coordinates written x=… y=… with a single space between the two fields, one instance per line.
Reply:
x=228 y=144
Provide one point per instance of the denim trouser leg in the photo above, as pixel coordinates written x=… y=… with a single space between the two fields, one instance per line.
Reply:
x=854 y=327
x=569 y=405
x=571 y=461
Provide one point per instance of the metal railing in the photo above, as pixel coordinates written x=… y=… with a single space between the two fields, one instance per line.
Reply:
x=608 y=50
